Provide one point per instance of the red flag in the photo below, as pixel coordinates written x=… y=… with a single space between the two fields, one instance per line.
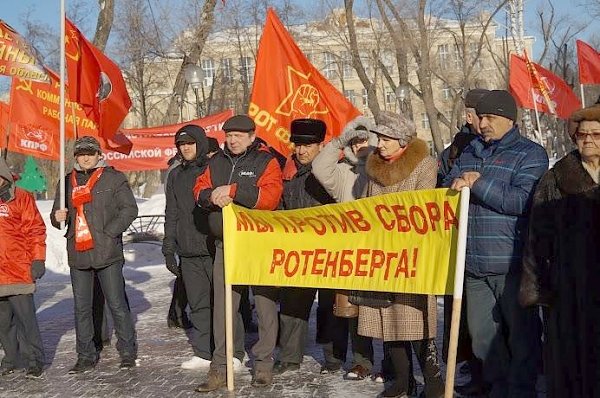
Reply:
x=559 y=94
x=287 y=86
x=3 y=123
x=98 y=81
x=589 y=63
x=538 y=83
x=17 y=58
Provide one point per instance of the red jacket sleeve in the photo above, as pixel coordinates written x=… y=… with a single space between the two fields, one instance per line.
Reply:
x=270 y=187
x=203 y=189
x=33 y=226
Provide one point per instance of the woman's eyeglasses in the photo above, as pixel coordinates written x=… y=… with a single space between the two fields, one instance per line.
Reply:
x=595 y=136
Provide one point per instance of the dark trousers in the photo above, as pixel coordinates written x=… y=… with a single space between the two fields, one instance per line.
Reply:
x=113 y=287
x=178 y=302
x=332 y=331
x=506 y=337
x=197 y=275
x=17 y=316
x=400 y=353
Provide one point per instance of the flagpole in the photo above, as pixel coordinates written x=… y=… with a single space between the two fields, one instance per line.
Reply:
x=537 y=118
x=582 y=95
x=61 y=110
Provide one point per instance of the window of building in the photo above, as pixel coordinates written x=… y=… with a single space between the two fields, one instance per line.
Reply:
x=424 y=121
x=473 y=54
x=227 y=69
x=349 y=94
x=347 y=70
x=457 y=57
x=247 y=69
x=446 y=93
x=208 y=69
x=365 y=97
x=329 y=65
x=390 y=97
x=443 y=55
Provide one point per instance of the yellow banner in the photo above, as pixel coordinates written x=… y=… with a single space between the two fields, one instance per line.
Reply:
x=400 y=242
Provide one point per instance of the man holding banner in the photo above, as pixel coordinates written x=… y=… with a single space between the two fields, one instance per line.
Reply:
x=247 y=174
x=502 y=169
x=301 y=189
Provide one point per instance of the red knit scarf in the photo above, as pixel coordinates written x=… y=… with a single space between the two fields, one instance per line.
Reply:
x=81 y=195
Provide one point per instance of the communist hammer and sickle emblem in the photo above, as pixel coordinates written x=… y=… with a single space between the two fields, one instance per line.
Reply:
x=72 y=46
x=303 y=99
x=25 y=85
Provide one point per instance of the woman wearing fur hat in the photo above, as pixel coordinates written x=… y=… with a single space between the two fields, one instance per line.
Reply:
x=401 y=162
x=560 y=264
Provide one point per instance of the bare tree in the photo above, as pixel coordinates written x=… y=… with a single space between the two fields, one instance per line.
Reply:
x=104 y=23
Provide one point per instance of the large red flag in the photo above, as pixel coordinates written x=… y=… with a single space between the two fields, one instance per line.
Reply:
x=561 y=96
x=3 y=123
x=589 y=63
x=287 y=86
x=98 y=82
x=17 y=58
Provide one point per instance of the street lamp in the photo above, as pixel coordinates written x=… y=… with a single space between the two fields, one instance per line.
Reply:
x=193 y=75
x=402 y=92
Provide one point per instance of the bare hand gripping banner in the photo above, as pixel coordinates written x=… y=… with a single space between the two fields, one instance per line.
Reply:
x=400 y=242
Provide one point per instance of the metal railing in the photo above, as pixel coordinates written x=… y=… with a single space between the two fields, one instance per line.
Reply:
x=146 y=228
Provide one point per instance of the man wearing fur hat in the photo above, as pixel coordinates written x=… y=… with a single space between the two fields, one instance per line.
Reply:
x=247 y=174
x=186 y=234
x=301 y=190
x=22 y=256
x=100 y=206
x=502 y=169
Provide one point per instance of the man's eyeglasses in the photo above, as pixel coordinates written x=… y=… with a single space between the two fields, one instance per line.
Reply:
x=595 y=136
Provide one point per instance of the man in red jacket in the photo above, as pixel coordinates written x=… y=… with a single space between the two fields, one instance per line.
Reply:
x=245 y=173
x=22 y=257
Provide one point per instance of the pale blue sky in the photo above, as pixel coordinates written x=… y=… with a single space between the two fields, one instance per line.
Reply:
x=48 y=12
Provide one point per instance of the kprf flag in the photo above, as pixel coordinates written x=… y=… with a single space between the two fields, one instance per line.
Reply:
x=589 y=63
x=34 y=118
x=95 y=82
x=17 y=58
x=559 y=94
x=287 y=87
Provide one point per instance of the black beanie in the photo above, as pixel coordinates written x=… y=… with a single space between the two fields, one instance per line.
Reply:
x=498 y=102
x=473 y=97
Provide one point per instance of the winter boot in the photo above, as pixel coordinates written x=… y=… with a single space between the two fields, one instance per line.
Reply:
x=214 y=380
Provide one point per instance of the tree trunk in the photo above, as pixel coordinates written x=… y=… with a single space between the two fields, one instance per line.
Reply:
x=207 y=19
x=104 y=24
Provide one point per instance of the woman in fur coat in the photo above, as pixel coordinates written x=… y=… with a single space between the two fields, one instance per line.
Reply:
x=560 y=265
x=401 y=162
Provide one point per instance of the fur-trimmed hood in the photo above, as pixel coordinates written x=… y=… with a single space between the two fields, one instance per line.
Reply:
x=371 y=137
x=386 y=174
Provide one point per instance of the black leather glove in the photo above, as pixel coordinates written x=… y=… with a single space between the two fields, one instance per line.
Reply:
x=38 y=269
x=172 y=265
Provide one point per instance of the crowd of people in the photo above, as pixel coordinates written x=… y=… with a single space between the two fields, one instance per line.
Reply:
x=530 y=243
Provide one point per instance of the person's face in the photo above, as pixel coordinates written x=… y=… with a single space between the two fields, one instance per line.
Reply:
x=494 y=127
x=87 y=161
x=238 y=141
x=587 y=139
x=387 y=146
x=188 y=150
x=305 y=153
x=472 y=119
x=357 y=145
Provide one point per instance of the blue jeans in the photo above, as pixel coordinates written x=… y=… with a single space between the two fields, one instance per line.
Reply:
x=506 y=337
x=113 y=286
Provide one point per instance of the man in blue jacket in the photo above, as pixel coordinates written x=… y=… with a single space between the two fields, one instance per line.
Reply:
x=501 y=168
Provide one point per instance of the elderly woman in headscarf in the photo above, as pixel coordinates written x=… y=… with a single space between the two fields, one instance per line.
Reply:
x=560 y=265
x=402 y=162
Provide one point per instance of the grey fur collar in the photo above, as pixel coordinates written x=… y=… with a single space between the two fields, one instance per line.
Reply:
x=386 y=174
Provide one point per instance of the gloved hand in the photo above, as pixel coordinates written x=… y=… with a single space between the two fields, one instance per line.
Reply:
x=38 y=269
x=172 y=265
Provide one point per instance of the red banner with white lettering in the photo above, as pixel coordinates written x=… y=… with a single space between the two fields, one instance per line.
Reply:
x=34 y=118
x=154 y=146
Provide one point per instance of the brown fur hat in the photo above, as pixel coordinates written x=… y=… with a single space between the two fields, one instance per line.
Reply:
x=591 y=114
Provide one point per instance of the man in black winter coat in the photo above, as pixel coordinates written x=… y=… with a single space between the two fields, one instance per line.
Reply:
x=301 y=189
x=186 y=234
x=99 y=207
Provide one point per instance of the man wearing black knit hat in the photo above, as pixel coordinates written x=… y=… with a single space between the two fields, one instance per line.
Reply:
x=501 y=168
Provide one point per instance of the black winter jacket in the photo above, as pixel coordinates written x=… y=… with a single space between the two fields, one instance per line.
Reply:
x=109 y=214
x=301 y=189
x=186 y=225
